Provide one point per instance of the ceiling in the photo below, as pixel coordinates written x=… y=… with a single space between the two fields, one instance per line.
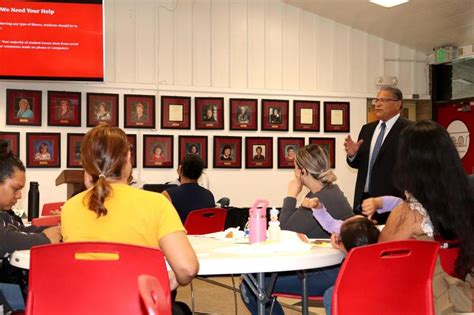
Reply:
x=419 y=24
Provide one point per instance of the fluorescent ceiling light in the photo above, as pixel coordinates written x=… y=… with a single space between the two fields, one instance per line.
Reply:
x=462 y=81
x=389 y=3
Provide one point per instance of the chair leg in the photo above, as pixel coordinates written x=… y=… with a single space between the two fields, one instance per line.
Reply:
x=192 y=298
x=234 y=289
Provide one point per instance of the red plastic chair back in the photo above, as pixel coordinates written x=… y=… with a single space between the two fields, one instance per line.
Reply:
x=448 y=257
x=152 y=292
x=203 y=221
x=76 y=278
x=387 y=278
x=53 y=206
x=47 y=221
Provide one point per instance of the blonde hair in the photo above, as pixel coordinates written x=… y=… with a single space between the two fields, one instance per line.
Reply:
x=314 y=159
x=104 y=153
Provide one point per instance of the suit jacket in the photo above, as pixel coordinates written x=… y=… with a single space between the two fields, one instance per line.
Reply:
x=382 y=172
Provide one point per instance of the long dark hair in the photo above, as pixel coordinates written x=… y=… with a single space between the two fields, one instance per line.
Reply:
x=9 y=163
x=429 y=167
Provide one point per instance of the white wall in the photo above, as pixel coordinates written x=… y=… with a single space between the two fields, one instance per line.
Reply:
x=232 y=48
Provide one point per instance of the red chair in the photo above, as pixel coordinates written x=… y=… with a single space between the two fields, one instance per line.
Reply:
x=387 y=278
x=203 y=221
x=47 y=221
x=152 y=293
x=92 y=278
x=51 y=207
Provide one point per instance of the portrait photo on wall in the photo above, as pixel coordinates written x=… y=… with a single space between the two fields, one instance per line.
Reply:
x=227 y=152
x=23 y=107
x=336 y=116
x=258 y=152
x=132 y=141
x=209 y=112
x=13 y=140
x=102 y=108
x=43 y=149
x=175 y=112
x=287 y=148
x=306 y=115
x=329 y=145
x=157 y=151
x=74 y=141
x=243 y=114
x=64 y=109
x=193 y=145
x=275 y=115
x=139 y=111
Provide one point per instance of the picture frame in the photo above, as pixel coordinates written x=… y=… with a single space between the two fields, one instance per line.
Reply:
x=139 y=111
x=74 y=141
x=13 y=140
x=306 y=115
x=102 y=108
x=175 y=112
x=275 y=115
x=243 y=114
x=132 y=141
x=209 y=112
x=43 y=149
x=329 y=145
x=287 y=148
x=157 y=151
x=23 y=107
x=64 y=109
x=193 y=145
x=259 y=152
x=336 y=117
x=227 y=152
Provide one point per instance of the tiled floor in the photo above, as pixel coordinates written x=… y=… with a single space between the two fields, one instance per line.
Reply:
x=214 y=299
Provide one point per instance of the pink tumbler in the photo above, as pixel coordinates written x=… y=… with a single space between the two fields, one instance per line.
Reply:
x=258 y=221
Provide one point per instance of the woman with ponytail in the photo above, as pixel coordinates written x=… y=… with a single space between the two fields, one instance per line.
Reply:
x=312 y=170
x=110 y=210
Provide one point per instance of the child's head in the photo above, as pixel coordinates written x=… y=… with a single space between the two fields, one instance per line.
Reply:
x=358 y=231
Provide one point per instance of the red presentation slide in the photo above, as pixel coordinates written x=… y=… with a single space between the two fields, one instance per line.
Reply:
x=51 y=40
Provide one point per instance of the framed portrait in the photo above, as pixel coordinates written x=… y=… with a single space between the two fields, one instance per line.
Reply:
x=209 y=112
x=102 y=108
x=287 y=148
x=336 y=117
x=305 y=115
x=139 y=111
x=329 y=145
x=64 y=109
x=43 y=149
x=275 y=115
x=243 y=114
x=175 y=112
x=132 y=141
x=157 y=151
x=13 y=140
x=23 y=107
x=74 y=141
x=259 y=152
x=227 y=152
x=193 y=145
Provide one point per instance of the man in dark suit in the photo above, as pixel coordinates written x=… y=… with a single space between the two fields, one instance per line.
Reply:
x=375 y=152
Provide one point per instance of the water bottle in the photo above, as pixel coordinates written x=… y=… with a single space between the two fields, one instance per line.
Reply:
x=258 y=221
x=33 y=201
x=274 y=226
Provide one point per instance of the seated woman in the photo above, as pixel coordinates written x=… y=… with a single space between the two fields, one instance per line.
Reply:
x=189 y=195
x=312 y=170
x=439 y=201
x=13 y=234
x=111 y=210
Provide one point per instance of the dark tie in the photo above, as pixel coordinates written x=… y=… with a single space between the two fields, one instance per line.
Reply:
x=377 y=146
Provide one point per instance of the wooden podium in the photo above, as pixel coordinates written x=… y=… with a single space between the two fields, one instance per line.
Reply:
x=74 y=180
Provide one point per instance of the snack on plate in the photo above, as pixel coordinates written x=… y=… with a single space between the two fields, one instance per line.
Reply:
x=230 y=234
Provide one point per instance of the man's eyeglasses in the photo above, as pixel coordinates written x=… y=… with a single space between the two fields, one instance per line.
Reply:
x=383 y=100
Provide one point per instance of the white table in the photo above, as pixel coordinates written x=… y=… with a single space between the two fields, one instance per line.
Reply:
x=222 y=257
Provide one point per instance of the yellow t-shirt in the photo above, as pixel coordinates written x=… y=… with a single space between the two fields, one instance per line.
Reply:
x=134 y=216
